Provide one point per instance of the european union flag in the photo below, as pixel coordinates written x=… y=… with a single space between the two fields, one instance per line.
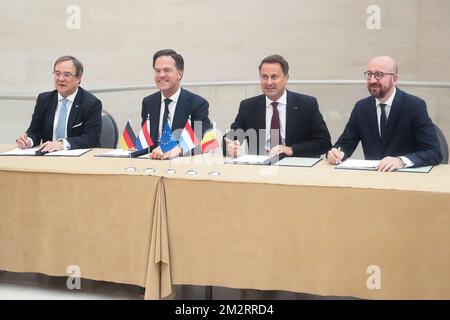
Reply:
x=167 y=140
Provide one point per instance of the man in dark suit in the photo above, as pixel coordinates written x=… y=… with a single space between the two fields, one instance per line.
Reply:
x=392 y=125
x=278 y=121
x=66 y=118
x=172 y=104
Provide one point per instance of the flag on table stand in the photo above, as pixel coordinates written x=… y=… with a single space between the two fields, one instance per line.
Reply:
x=144 y=141
x=167 y=140
x=128 y=137
x=209 y=141
x=188 y=140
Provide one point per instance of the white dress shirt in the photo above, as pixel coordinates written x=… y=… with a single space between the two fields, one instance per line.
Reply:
x=282 y=102
x=71 y=98
x=387 y=110
x=172 y=107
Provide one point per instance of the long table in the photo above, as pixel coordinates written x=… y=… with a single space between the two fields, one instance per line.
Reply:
x=317 y=230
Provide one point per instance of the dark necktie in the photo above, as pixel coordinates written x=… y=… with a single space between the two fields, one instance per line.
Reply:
x=165 y=115
x=275 y=135
x=383 y=120
x=166 y=112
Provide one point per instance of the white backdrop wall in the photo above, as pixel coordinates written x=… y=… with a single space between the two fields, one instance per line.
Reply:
x=221 y=40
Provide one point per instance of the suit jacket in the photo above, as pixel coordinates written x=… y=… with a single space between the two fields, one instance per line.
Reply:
x=83 y=126
x=306 y=131
x=409 y=132
x=188 y=104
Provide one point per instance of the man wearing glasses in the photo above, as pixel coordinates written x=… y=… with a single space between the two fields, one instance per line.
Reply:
x=66 y=118
x=392 y=125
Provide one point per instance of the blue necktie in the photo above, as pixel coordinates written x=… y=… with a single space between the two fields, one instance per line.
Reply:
x=60 y=132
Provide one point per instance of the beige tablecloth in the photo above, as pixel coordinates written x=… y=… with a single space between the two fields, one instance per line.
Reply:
x=316 y=230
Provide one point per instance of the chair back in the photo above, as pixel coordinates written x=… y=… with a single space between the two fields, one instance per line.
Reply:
x=443 y=144
x=110 y=132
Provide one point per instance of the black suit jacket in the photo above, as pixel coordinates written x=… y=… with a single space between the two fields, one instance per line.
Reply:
x=188 y=104
x=409 y=132
x=83 y=126
x=306 y=131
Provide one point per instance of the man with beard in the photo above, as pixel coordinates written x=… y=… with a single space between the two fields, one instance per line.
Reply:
x=392 y=125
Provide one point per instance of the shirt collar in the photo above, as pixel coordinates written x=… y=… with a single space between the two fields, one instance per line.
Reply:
x=174 y=97
x=281 y=100
x=389 y=101
x=71 y=98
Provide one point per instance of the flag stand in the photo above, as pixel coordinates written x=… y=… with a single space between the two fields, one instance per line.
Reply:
x=149 y=170
x=214 y=172
x=192 y=172
x=130 y=168
x=170 y=170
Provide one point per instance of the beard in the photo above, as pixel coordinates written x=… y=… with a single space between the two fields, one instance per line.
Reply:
x=377 y=90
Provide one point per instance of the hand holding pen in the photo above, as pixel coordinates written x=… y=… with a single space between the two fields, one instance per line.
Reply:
x=335 y=156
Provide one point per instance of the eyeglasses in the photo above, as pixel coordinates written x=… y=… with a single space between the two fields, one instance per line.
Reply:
x=65 y=75
x=378 y=75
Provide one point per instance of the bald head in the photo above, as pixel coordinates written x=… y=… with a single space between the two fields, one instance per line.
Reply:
x=382 y=78
x=384 y=64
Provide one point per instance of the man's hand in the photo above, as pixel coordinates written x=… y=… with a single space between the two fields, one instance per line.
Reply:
x=281 y=149
x=390 y=164
x=157 y=153
x=175 y=152
x=335 y=156
x=233 y=147
x=51 y=146
x=23 y=142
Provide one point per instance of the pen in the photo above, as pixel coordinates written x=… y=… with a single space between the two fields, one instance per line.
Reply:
x=228 y=140
x=338 y=159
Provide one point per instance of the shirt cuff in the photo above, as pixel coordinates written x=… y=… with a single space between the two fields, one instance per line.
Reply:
x=30 y=141
x=408 y=163
x=66 y=144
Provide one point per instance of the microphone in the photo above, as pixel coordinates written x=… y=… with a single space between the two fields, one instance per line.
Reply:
x=139 y=153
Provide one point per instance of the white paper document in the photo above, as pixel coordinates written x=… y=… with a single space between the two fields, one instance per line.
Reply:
x=116 y=153
x=32 y=152
x=21 y=152
x=297 y=162
x=250 y=159
x=67 y=153
x=372 y=165
x=358 y=164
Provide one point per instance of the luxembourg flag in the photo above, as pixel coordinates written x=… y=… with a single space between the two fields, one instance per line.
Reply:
x=144 y=141
x=188 y=140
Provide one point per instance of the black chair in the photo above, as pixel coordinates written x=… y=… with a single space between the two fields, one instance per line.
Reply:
x=110 y=132
x=443 y=144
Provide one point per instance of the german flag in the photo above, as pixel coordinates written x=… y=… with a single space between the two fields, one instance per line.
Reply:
x=128 y=138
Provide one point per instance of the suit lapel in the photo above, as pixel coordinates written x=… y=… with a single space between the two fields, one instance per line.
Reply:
x=51 y=113
x=74 y=111
x=179 y=116
x=292 y=110
x=155 y=112
x=373 y=121
x=260 y=113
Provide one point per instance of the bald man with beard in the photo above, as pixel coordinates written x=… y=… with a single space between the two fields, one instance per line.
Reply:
x=392 y=125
